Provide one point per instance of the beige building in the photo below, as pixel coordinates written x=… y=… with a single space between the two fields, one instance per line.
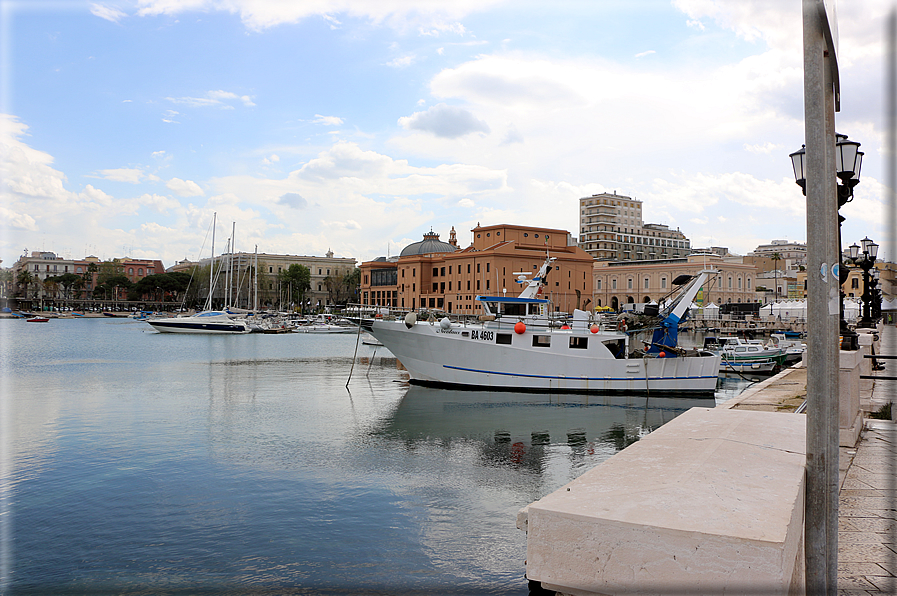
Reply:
x=611 y=227
x=619 y=283
x=239 y=267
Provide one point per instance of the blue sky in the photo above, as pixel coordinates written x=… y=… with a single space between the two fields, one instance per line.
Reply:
x=356 y=126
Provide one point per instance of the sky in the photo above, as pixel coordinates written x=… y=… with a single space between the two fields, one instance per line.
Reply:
x=356 y=126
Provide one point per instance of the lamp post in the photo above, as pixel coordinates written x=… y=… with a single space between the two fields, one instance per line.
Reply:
x=864 y=257
x=848 y=163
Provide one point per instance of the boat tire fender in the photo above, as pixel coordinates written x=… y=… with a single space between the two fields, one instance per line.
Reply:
x=410 y=320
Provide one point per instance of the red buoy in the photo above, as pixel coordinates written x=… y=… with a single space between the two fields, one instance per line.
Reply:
x=519 y=327
x=661 y=354
x=565 y=326
x=594 y=329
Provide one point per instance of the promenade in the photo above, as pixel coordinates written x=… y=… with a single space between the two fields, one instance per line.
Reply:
x=867 y=502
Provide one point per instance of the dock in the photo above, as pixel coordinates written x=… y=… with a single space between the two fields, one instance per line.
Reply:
x=712 y=502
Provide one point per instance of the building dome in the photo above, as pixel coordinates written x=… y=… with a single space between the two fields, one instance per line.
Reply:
x=430 y=244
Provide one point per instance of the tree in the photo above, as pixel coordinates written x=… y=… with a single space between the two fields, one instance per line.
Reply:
x=67 y=281
x=342 y=290
x=296 y=279
x=776 y=257
x=24 y=279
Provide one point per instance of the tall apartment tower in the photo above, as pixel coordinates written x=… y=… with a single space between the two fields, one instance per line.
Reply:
x=611 y=228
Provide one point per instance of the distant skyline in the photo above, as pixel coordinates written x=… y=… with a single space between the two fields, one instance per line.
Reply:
x=357 y=126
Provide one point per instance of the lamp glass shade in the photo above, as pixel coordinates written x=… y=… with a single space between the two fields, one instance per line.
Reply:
x=865 y=242
x=797 y=162
x=857 y=168
x=873 y=249
x=846 y=158
x=854 y=250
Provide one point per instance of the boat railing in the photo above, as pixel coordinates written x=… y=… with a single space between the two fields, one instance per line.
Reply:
x=495 y=321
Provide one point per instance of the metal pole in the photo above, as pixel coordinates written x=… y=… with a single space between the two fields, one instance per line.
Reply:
x=821 y=505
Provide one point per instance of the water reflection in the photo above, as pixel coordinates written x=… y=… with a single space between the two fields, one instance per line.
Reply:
x=528 y=431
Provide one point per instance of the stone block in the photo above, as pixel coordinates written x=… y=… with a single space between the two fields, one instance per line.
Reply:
x=711 y=503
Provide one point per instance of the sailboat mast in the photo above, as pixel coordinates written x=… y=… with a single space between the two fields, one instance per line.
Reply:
x=233 y=251
x=212 y=263
x=255 y=269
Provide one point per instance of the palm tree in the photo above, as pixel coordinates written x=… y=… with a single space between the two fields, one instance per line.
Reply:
x=776 y=257
x=25 y=279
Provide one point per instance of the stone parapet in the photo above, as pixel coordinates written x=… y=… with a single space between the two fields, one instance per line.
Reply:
x=710 y=503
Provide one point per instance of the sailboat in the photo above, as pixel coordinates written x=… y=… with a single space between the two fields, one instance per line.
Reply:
x=207 y=321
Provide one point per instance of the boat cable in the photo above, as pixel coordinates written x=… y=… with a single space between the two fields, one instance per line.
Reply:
x=357 y=340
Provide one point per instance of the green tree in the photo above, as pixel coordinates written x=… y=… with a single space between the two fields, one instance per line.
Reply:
x=296 y=280
x=342 y=289
x=776 y=257
x=24 y=280
x=67 y=281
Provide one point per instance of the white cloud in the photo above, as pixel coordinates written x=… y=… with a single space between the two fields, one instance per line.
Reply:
x=327 y=120
x=18 y=221
x=431 y=17
x=132 y=175
x=643 y=54
x=110 y=13
x=402 y=61
x=445 y=121
x=215 y=99
x=767 y=147
x=184 y=188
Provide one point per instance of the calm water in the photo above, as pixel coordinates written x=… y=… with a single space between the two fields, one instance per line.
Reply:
x=143 y=463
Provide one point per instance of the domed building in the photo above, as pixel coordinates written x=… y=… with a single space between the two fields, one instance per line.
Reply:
x=431 y=244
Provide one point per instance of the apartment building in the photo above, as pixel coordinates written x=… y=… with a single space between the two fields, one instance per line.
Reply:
x=611 y=228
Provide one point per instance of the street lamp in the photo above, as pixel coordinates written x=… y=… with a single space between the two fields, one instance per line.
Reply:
x=848 y=162
x=865 y=260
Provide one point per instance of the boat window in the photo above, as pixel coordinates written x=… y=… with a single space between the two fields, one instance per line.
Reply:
x=740 y=349
x=579 y=343
x=503 y=338
x=541 y=341
x=514 y=310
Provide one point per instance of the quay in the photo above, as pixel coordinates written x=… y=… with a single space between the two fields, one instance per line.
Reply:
x=712 y=502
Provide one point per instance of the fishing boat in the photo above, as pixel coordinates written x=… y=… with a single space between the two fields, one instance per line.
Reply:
x=516 y=345
x=794 y=348
x=745 y=355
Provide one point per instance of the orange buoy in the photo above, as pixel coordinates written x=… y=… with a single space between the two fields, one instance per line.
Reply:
x=565 y=326
x=519 y=327
x=661 y=354
x=594 y=329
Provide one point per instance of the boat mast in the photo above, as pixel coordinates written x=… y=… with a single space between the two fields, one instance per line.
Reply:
x=233 y=252
x=211 y=264
x=255 y=270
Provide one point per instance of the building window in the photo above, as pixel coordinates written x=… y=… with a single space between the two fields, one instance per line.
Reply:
x=629 y=285
x=646 y=283
x=130 y=271
x=598 y=284
x=140 y=271
x=663 y=282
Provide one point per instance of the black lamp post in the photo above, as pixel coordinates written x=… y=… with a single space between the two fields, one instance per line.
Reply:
x=848 y=162
x=864 y=258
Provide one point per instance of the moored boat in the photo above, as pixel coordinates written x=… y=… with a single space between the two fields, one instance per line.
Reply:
x=737 y=354
x=517 y=345
x=210 y=321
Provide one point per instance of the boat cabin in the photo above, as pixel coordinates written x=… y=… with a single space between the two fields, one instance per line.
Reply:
x=521 y=308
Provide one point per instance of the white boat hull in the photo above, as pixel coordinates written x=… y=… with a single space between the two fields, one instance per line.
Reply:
x=468 y=356
x=206 y=323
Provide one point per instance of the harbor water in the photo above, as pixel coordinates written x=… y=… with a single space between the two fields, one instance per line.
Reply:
x=136 y=462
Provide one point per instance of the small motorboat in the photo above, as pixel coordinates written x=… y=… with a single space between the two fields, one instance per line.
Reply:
x=37 y=320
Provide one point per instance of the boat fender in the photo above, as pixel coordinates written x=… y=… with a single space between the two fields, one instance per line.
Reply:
x=594 y=329
x=621 y=326
x=661 y=354
x=519 y=327
x=445 y=323
x=410 y=320
x=565 y=326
